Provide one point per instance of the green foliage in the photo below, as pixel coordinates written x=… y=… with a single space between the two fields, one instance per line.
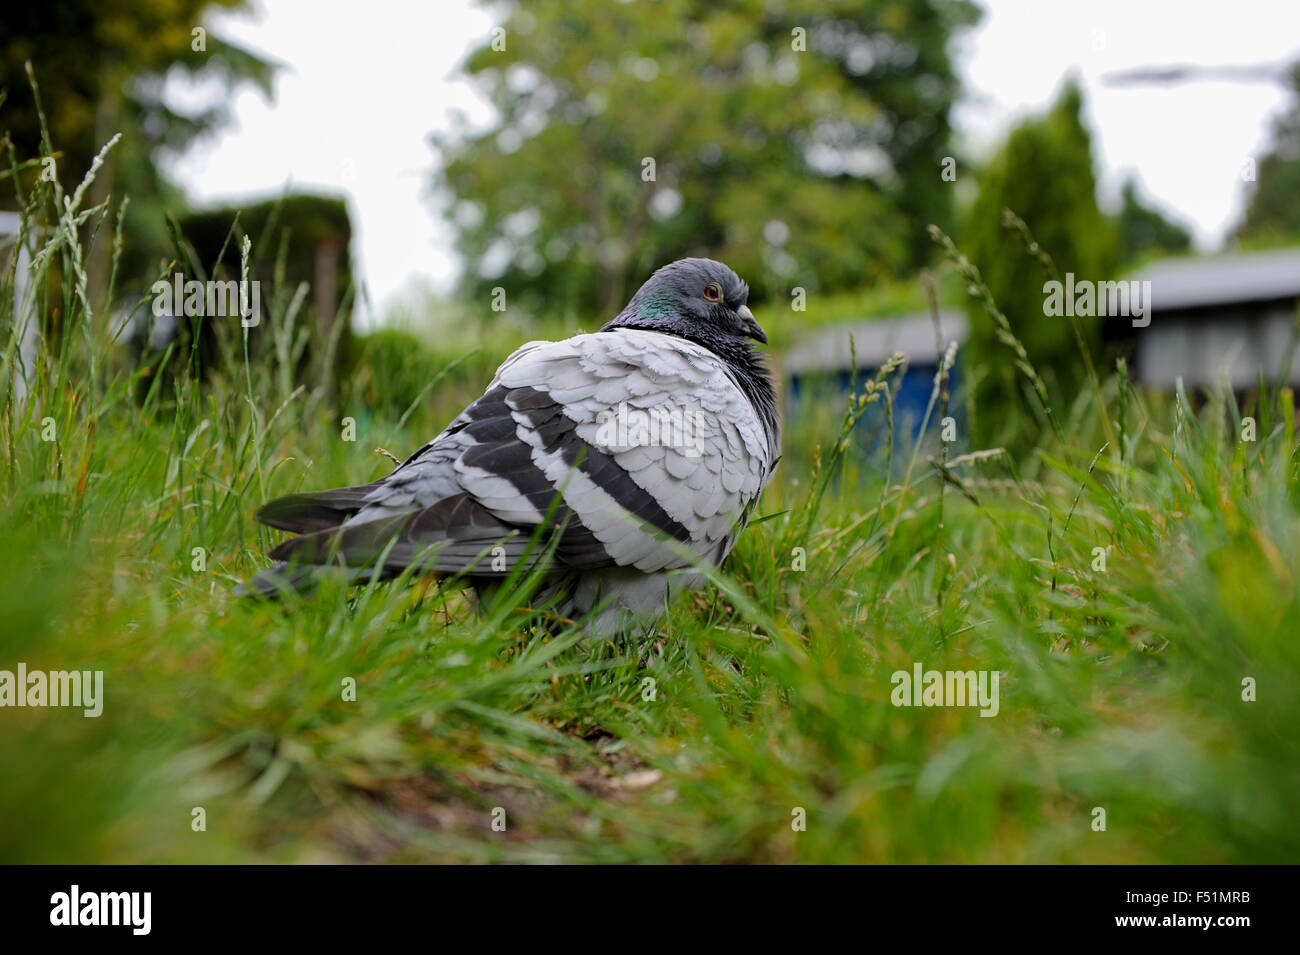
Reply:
x=1144 y=231
x=398 y=371
x=395 y=371
x=1273 y=208
x=839 y=144
x=769 y=692
x=100 y=68
x=1044 y=174
x=102 y=63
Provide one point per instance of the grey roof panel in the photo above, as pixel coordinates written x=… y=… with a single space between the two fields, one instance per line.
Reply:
x=1222 y=280
x=875 y=341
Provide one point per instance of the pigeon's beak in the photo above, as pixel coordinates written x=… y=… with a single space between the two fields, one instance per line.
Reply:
x=749 y=326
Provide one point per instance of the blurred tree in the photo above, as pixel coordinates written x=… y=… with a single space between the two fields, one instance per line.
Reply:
x=1143 y=229
x=101 y=69
x=1273 y=209
x=802 y=145
x=1043 y=173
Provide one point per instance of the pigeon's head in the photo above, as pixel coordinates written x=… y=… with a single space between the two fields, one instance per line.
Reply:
x=699 y=299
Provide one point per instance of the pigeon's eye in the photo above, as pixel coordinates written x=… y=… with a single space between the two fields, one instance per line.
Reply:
x=713 y=292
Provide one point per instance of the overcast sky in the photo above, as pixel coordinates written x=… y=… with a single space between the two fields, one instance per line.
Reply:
x=359 y=96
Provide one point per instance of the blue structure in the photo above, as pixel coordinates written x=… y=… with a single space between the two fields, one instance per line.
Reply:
x=819 y=369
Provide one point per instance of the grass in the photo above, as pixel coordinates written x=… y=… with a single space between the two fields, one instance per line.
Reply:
x=766 y=694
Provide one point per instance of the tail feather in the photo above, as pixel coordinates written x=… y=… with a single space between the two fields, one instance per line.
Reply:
x=455 y=534
x=280 y=579
x=318 y=511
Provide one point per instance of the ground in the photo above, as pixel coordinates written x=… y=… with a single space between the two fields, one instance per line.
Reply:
x=400 y=722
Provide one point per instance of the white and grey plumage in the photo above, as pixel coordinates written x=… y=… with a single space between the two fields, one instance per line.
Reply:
x=562 y=418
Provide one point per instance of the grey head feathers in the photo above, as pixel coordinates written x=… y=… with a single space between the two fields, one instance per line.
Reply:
x=704 y=301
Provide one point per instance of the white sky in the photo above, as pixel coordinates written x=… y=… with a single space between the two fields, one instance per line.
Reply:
x=360 y=94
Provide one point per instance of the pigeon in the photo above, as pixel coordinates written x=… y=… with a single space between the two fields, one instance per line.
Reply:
x=626 y=460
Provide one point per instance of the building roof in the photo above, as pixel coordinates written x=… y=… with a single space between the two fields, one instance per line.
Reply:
x=876 y=340
x=1222 y=280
